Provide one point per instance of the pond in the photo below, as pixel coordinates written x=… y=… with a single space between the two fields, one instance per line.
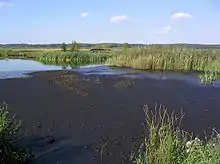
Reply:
x=16 y=68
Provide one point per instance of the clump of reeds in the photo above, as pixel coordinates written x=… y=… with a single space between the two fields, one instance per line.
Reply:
x=73 y=57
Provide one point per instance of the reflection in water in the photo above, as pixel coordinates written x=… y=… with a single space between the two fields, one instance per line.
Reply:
x=192 y=78
x=15 y=68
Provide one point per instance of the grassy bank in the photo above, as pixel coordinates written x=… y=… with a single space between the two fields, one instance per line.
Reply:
x=168 y=144
x=167 y=58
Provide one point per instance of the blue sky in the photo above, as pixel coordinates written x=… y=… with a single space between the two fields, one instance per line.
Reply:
x=133 y=21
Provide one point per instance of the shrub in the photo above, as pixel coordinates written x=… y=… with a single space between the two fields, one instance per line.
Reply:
x=10 y=152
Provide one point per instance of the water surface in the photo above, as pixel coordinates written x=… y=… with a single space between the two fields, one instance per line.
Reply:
x=16 y=68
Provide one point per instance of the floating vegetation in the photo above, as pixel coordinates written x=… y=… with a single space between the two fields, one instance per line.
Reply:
x=208 y=77
x=124 y=83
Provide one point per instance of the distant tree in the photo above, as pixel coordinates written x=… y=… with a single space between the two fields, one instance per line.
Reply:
x=125 y=46
x=75 y=46
x=98 y=45
x=63 y=47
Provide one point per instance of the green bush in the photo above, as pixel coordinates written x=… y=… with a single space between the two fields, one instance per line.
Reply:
x=10 y=152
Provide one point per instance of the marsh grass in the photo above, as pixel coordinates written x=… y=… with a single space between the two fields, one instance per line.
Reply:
x=10 y=152
x=168 y=144
x=167 y=58
x=73 y=57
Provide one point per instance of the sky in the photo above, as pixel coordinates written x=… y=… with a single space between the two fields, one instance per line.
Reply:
x=98 y=21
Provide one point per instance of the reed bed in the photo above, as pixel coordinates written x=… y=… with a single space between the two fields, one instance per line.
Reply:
x=73 y=57
x=167 y=58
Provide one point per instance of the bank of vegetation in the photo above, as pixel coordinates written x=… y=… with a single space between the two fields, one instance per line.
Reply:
x=167 y=58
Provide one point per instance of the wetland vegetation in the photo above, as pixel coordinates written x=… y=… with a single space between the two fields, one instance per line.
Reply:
x=156 y=57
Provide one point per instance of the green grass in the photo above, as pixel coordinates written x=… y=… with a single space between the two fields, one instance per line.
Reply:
x=10 y=152
x=168 y=144
x=167 y=58
x=21 y=53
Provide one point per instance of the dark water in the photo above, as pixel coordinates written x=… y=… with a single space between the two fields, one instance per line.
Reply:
x=192 y=78
x=16 y=68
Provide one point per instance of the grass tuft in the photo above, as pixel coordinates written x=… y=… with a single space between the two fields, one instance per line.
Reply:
x=168 y=144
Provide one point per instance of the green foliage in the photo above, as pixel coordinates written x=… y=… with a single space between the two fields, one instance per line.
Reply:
x=64 y=47
x=168 y=144
x=167 y=58
x=10 y=153
x=125 y=46
x=75 y=46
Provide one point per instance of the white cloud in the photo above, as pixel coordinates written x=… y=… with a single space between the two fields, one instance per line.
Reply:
x=119 y=18
x=3 y=3
x=83 y=15
x=181 y=15
x=165 y=30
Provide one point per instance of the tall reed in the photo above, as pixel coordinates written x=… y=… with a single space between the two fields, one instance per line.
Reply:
x=73 y=57
x=167 y=58
x=168 y=144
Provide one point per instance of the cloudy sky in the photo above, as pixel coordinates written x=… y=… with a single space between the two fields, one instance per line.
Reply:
x=133 y=21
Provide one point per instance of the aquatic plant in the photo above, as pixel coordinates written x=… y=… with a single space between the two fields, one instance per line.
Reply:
x=208 y=77
x=168 y=144
x=10 y=153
